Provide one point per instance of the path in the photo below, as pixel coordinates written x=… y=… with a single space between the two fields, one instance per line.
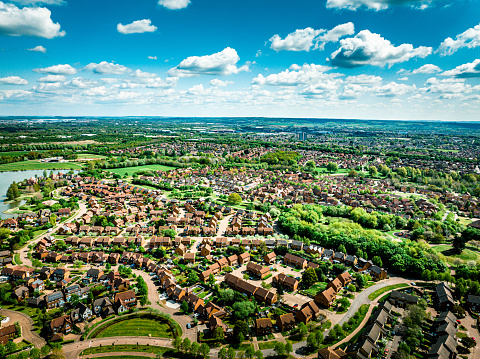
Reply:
x=26 y=323
x=24 y=251
x=136 y=354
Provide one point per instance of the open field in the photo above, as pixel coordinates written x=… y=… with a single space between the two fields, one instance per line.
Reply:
x=35 y=165
x=466 y=255
x=380 y=291
x=142 y=327
x=126 y=348
x=132 y=170
x=17 y=153
x=90 y=155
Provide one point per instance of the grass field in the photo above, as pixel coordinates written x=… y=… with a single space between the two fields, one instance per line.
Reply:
x=142 y=327
x=17 y=153
x=90 y=155
x=132 y=170
x=125 y=348
x=466 y=255
x=35 y=165
x=267 y=345
x=380 y=291
x=317 y=287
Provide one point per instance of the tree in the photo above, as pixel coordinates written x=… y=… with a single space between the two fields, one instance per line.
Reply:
x=309 y=278
x=211 y=279
x=377 y=261
x=309 y=166
x=34 y=353
x=13 y=192
x=279 y=348
x=53 y=219
x=249 y=352
x=341 y=248
x=372 y=170
x=241 y=327
x=288 y=348
x=243 y=310
x=204 y=350
x=231 y=353
x=222 y=354
x=234 y=198
x=459 y=243
x=177 y=343
x=184 y=307
x=259 y=354
x=311 y=341
x=186 y=345
x=219 y=334
x=302 y=329
x=332 y=167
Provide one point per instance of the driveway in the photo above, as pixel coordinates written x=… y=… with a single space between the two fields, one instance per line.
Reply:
x=27 y=326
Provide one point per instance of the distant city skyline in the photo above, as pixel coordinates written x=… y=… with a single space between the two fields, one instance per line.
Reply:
x=365 y=59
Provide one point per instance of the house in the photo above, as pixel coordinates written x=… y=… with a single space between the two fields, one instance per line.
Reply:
x=336 y=284
x=101 y=306
x=295 y=261
x=206 y=250
x=401 y=299
x=7 y=333
x=270 y=258
x=195 y=302
x=263 y=326
x=244 y=258
x=124 y=301
x=232 y=260
x=288 y=283
x=45 y=273
x=81 y=313
x=21 y=293
x=326 y=298
x=72 y=290
x=345 y=278
x=54 y=300
x=189 y=258
x=443 y=298
x=363 y=348
x=296 y=245
x=94 y=274
x=61 y=326
x=258 y=270
x=329 y=353
x=60 y=274
x=377 y=273
x=285 y=322
x=307 y=312
x=473 y=302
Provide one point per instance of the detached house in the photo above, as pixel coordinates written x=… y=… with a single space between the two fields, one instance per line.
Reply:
x=125 y=300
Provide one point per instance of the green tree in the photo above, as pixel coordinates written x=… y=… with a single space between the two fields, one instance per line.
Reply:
x=309 y=278
x=231 y=353
x=204 y=350
x=288 y=348
x=259 y=354
x=332 y=167
x=242 y=310
x=234 y=198
x=377 y=261
x=184 y=306
x=222 y=354
x=53 y=219
x=459 y=243
x=372 y=170
x=249 y=352
x=177 y=343
x=279 y=348
x=186 y=345
x=13 y=192
x=302 y=329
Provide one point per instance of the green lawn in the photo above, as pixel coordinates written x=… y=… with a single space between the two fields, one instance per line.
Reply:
x=380 y=291
x=267 y=345
x=132 y=170
x=317 y=287
x=35 y=165
x=17 y=153
x=126 y=348
x=140 y=327
x=466 y=255
x=90 y=155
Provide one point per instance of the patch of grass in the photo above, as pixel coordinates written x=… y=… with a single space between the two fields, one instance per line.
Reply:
x=16 y=258
x=132 y=170
x=267 y=345
x=90 y=155
x=126 y=348
x=450 y=255
x=140 y=326
x=314 y=289
x=380 y=291
x=35 y=165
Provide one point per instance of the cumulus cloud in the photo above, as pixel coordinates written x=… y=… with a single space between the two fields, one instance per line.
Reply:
x=427 y=69
x=379 y=4
x=309 y=38
x=52 y=78
x=13 y=80
x=364 y=79
x=220 y=83
x=468 y=70
x=107 y=68
x=38 y=49
x=295 y=75
x=38 y=2
x=221 y=63
x=174 y=4
x=57 y=70
x=321 y=89
x=28 y=21
x=137 y=27
x=368 y=48
x=469 y=39
x=152 y=57
x=393 y=89
x=447 y=88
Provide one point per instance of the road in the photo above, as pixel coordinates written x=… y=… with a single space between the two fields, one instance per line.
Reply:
x=24 y=251
x=27 y=326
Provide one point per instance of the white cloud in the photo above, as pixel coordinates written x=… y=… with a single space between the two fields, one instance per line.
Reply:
x=447 y=88
x=322 y=89
x=471 y=69
x=107 y=68
x=109 y=80
x=335 y=34
x=296 y=75
x=393 y=89
x=52 y=78
x=57 y=70
x=174 y=4
x=403 y=79
x=352 y=91
x=152 y=57
x=137 y=27
x=96 y=91
x=469 y=39
x=13 y=80
x=427 y=69
x=307 y=39
x=378 y=4
x=221 y=63
x=80 y=82
x=364 y=79
x=218 y=82
x=38 y=49
x=143 y=75
x=28 y=21
x=300 y=40
x=368 y=48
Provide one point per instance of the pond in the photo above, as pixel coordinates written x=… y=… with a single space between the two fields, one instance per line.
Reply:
x=7 y=178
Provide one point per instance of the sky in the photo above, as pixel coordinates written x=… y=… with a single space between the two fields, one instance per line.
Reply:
x=365 y=59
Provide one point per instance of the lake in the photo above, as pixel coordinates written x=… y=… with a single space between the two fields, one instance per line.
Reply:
x=7 y=178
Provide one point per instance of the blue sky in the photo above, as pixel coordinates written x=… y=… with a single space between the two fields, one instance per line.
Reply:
x=380 y=59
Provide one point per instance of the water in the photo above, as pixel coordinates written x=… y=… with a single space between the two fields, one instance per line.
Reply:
x=7 y=178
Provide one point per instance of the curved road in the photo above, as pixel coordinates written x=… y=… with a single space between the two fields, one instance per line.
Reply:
x=26 y=323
